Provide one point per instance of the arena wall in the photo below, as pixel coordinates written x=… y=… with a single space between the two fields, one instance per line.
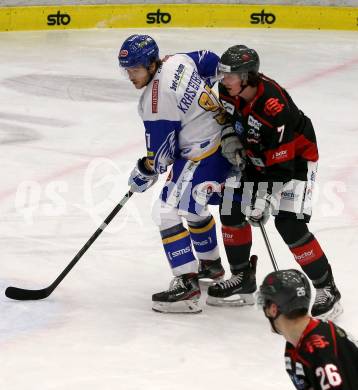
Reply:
x=53 y=15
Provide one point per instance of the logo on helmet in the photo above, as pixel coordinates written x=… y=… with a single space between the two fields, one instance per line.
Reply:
x=123 y=53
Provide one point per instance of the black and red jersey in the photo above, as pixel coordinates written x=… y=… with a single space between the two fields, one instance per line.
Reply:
x=278 y=137
x=326 y=358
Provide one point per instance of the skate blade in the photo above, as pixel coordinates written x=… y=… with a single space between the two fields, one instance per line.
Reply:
x=206 y=282
x=186 y=306
x=233 y=300
x=332 y=314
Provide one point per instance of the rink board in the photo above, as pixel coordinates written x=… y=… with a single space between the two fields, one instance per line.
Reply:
x=177 y=15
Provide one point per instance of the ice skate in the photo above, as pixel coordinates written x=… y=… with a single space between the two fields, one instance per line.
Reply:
x=210 y=271
x=327 y=304
x=181 y=297
x=236 y=291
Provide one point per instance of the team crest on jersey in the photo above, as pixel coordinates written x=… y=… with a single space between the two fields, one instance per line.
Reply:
x=155 y=96
x=165 y=154
x=273 y=107
x=315 y=341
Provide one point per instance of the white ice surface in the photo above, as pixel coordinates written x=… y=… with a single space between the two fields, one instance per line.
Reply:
x=69 y=135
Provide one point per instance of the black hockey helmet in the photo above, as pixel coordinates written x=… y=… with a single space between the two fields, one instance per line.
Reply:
x=240 y=59
x=288 y=289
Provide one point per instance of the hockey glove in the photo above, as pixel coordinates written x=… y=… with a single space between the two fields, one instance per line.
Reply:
x=260 y=211
x=231 y=147
x=141 y=177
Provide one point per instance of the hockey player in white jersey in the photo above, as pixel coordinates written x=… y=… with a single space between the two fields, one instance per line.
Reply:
x=183 y=122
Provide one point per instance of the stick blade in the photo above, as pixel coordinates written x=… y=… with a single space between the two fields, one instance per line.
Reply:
x=21 y=294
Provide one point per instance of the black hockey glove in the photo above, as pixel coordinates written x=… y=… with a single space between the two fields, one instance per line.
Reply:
x=141 y=178
x=231 y=147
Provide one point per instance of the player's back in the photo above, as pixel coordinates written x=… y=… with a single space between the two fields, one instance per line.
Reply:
x=326 y=358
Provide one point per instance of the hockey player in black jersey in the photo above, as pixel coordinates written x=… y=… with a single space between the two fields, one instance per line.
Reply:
x=318 y=355
x=277 y=143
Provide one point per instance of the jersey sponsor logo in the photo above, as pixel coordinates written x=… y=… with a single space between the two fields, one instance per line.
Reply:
x=190 y=92
x=239 y=128
x=227 y=236
x=289 y=195
x=305 y=255
x=262 y=18
x=315 y=341
x=230 y=108
x=273 y=107
x=299 y=369
x=155 y=96
x=313 y=176
x=252 y=122
x=180 y=252
x=158 y=17
x=281 y=155
x=200 y=243
x=253 y=136
x=58 y=19
x=177 y=77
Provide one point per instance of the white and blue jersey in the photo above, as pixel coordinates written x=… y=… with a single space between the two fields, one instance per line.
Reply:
x=181 y=115
x=183 y=121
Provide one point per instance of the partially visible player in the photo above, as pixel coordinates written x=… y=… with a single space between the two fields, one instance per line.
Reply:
x=281 y=151
x=183 y=122
x=319 y=355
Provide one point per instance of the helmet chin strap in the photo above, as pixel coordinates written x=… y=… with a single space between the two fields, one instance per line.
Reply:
x=244 y=77
x=272 y=319
x=243 y=87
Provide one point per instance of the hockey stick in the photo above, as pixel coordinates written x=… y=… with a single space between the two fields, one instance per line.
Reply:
x=268 y=246
x=22 y=294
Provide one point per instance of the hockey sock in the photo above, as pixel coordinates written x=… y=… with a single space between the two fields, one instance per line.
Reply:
x=203 y=237
x=177 y=247
x=310 y=256
x=237 y=241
